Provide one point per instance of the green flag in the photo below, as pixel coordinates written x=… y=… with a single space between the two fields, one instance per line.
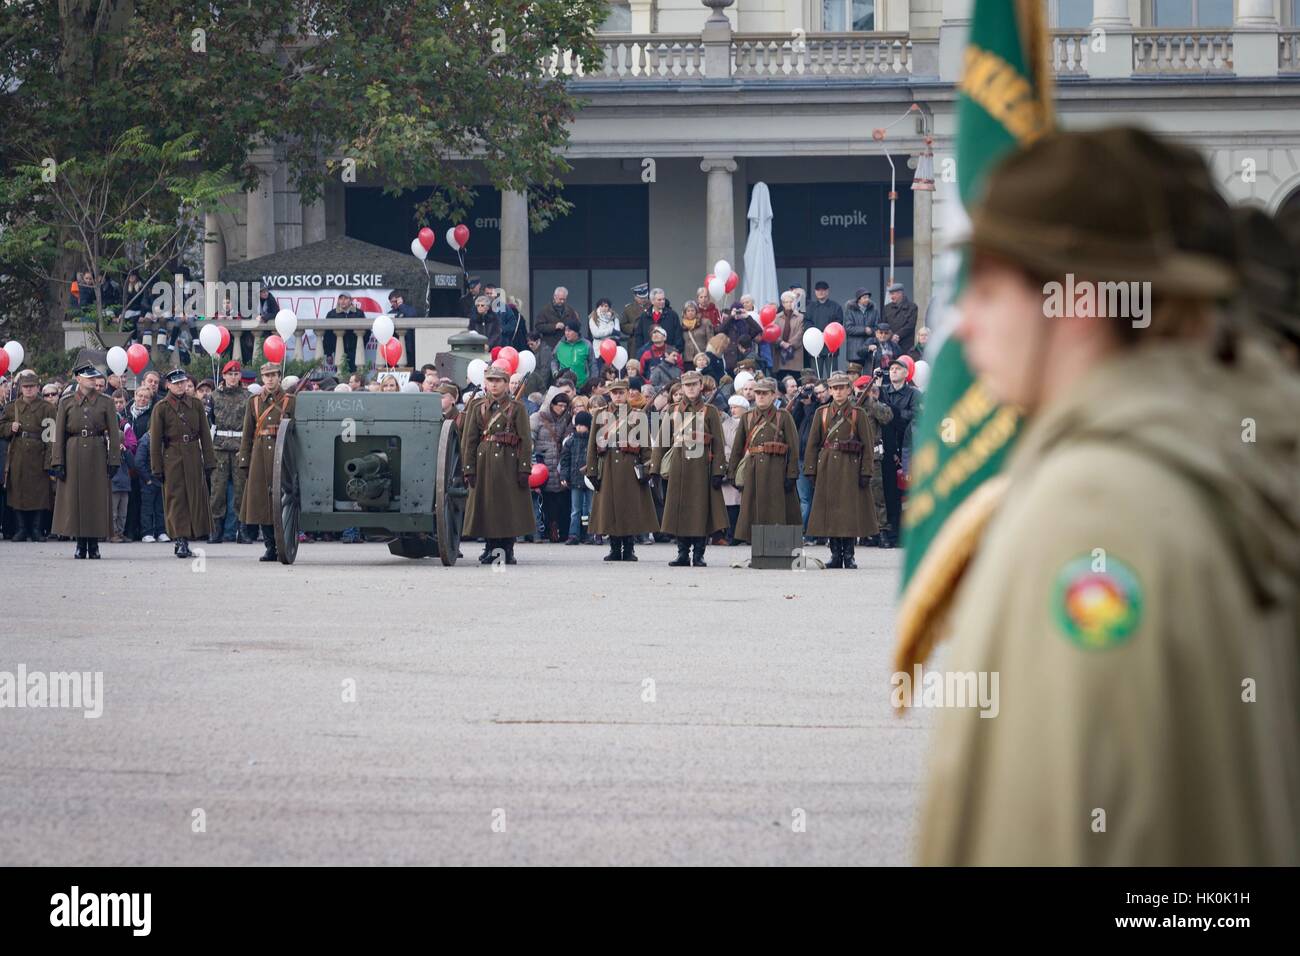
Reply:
x=1004 y=100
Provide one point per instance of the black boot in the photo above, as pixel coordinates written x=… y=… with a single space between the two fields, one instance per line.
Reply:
x=629 y=548
x=24 y=532
x=698 y=559
x=846 y=554
x=510 y=550
x=92 y=548
x=215 y=536
x=683 y=554
x=183 y=549
x=268 y=535
x=615 y=548
x=81 y=548
x=486 y=556
x=837 y=553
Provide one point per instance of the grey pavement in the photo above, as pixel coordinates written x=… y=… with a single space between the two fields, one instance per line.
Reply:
x=563 y=711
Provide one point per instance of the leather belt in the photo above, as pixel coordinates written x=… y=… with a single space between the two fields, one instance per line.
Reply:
x=772 y=447
x=184 y=440
x=502 y=439
x=226 y=433
x=35 y=435
x=88 y=433
x=625 y=449
x=852 y=447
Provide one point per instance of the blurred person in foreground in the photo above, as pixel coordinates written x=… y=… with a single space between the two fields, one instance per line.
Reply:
x=1135 y=586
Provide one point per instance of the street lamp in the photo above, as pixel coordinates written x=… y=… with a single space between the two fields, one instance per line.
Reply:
x=923 y=181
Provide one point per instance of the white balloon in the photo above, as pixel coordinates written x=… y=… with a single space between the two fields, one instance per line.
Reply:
x=16 y=355
x=116 y=360
x=285 y=324
x=475 y=371
x=383 y=328
x=451 y=238
x=722 y=270
x=743 y=379
x=718 y=288
x=418 y=250
x=813 y=342
x=209 y=338
x=343 y=387
x=288 y=382
x=921 y=378
x=527 y=362
x=254 y=389
x=410 y=387
x=620 y=358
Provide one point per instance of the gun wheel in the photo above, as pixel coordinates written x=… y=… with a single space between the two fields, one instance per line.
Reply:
x=450 y=493
x=286 y=494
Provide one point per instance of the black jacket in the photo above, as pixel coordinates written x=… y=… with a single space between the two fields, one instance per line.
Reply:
x=902 y=322
x=822 y=314
x=668 y=321
x=802 y=413
x=906 y=405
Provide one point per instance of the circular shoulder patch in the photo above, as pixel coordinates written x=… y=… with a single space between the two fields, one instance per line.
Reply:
x=1097 y=609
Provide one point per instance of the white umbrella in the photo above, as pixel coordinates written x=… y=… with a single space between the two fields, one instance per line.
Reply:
x=760 y=259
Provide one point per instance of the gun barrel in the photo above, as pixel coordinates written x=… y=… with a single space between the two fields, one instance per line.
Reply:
x=374 y=465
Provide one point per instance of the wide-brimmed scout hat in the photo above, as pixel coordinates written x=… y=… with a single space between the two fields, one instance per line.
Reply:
x=1090 y=203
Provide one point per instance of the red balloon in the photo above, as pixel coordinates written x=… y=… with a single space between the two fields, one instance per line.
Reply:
x=273 y=348
x=707 y=279
x=608 y=349
x=496 y=352
x=767 y=315
x=511 y=356
x=392 y=350
x=733 y=280
x=503 y=365
x=225 y=338
x=911 y=365
x=4 y=361
x=833 y=336
x=137 y=357
x=772 y=333
x=538 y=476
x=426 y=238
x=461 y=233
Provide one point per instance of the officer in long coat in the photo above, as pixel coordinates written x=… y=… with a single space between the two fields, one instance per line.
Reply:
x=498 y=460
x=229 y=405
x=28 y=424
x=87 y=451
x=690 y=457
x=765 y=463
x=618 y=467
x=181 y=456
x=838 y=462
x=1133 y=575
x=266 y=411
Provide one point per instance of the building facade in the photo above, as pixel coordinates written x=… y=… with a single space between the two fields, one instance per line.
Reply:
x=695 y=102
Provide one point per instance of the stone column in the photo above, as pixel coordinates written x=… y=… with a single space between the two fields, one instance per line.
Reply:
x=214 y=259
x=717 y=42
x=922 y=249
x=1110 y=45
x=952 y=38
x=515 y=276
x=1254 y=39
x=720 y=211
x=313 y=221
x=261 y=215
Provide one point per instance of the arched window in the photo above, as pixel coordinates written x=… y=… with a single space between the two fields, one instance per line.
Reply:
x=619 y=19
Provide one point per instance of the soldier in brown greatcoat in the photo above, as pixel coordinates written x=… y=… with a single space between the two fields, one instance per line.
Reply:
x=690 y=457
x=765 y=463
x=181 y=456
x=838 y=462
x=28 y=424
x=87 y=450
x=498 y=461
x=262 y=419
x=618 y=468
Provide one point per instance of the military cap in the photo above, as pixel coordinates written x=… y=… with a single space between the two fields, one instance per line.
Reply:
x=1119 y=231
x=855 y=368
x=177 y=375
x=692 y=378
x=765 y=385
x=270 y=367
x=642 y=290
x=471 y=281
x=862 y=381
x=450 y=388
x=232 y=366
x=27 y=376
x=88 y=370
x=493 y=372
x=617 y=385
x=839 y=378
